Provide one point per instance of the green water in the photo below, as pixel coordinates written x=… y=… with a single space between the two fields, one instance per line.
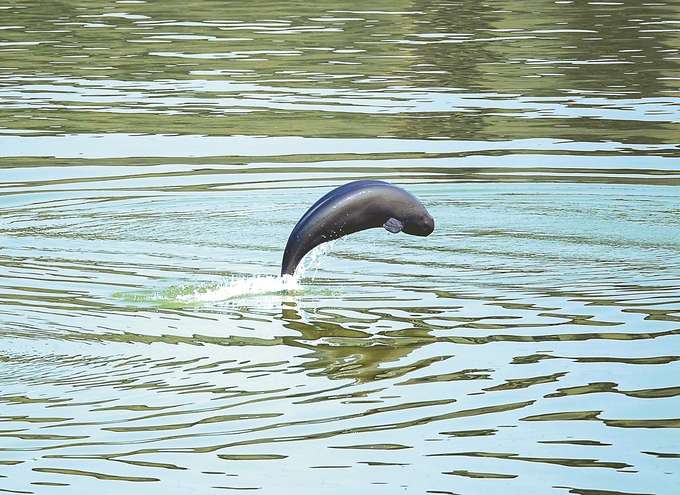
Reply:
x=154 y=158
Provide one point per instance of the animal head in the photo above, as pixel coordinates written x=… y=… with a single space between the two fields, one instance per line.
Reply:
x=419 y=223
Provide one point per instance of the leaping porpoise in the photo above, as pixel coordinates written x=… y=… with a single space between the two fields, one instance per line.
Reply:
x=352 y=207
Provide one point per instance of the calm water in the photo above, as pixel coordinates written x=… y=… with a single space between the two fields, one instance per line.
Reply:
x=154 y=157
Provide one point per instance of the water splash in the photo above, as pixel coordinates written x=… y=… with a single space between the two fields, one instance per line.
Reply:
x=230 y=289
x=238 y=287
x=314 y=257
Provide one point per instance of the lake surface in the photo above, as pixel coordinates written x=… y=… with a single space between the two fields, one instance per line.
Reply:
x=154 y=157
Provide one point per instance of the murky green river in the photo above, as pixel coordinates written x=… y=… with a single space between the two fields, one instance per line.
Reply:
x=154 y=157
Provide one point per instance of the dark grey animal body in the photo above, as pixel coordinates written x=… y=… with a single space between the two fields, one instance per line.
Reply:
x=352 y=207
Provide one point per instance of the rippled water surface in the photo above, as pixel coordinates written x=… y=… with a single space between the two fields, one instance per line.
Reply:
x=154 y=157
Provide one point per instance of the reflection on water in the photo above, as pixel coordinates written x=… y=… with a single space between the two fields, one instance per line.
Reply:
x=154 y=160
x=507 y=70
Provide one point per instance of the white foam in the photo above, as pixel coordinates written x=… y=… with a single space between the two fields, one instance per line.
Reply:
x=240 y=287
